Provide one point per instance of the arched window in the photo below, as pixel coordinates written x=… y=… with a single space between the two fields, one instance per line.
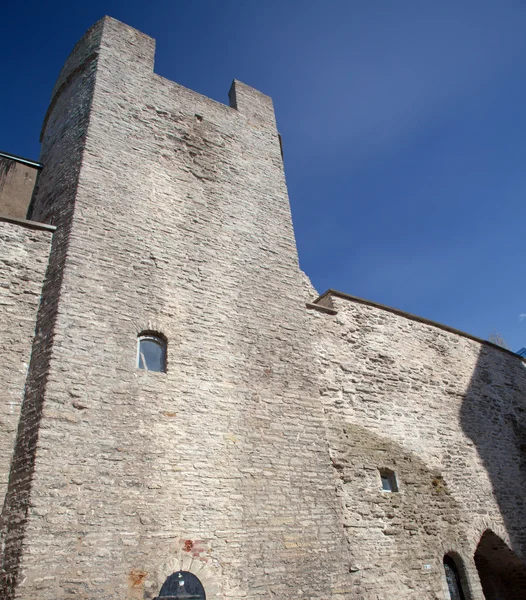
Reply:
x=182 y=584
x=151 y=352
x=454 y=583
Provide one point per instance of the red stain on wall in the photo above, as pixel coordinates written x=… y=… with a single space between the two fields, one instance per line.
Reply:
x=137 y=577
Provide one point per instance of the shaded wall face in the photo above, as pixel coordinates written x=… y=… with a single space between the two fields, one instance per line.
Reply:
x=24 y=256
x=493 y=417
x=62 y=147
x=502 y=574
x=439 y=410
x=218 y=466
x=17 y=181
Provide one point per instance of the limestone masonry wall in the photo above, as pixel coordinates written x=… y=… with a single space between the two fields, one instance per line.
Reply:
x=24 y=253
x=17 y=181
x=255 y=461
x=62 y=147
x=443 y=412
x=179 y=223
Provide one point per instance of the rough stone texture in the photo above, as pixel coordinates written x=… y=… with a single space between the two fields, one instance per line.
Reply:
x=24 y=253
x=17 y=181
x=254 y=460
x=178 y=222
x=445 y=413
x=62 y=147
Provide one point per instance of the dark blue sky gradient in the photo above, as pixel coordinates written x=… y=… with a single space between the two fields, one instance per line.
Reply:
x=403 y=127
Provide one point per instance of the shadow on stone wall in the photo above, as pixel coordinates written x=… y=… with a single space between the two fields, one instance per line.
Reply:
x=502 y=574
x=17 y=503
x=14 y=516
x=393 y=538
x=493 y=416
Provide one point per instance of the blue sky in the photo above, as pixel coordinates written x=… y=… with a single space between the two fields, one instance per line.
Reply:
x=403 y=127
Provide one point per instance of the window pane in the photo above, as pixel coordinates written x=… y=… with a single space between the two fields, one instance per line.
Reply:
x=152 y=354
x=386 y=484
x=453 y=579
x=388 y=481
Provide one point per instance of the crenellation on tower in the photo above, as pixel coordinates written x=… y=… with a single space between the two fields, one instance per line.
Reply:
x=253 y=104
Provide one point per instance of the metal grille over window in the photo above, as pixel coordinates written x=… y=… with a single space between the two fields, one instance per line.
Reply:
x=151 y=353
x=453 y=579
x=182 y=584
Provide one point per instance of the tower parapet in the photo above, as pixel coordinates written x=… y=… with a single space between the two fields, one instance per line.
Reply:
x=256 y=106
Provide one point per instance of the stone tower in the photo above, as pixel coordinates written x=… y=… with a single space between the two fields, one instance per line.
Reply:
x=172 y=218
x=277 y=445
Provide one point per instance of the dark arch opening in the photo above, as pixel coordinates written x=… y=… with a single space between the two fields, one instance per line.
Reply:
x=454 y=579
x=502 y=573
x=182 y=585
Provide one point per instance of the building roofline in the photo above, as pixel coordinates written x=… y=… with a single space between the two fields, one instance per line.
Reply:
x=21 y=159
x=406 y=315
x=27 y=223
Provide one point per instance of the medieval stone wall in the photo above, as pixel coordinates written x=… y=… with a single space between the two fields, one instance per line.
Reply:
x=255 y=460
x=17 y=181
x=62 y=147
x=24 y=252
x=443 y=412
x=178 y=223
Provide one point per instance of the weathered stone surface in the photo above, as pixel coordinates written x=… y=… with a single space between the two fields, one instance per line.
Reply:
x=177 y=221
x=17 y=181
x=24 y=253
x=445 y=413
x=254 y=461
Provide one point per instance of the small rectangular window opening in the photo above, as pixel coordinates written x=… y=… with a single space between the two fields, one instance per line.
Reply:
x=388 y=478
x=151 y=353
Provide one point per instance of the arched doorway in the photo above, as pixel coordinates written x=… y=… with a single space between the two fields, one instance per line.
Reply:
x=502 y=574
x=453 y=578
x=182 y=585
